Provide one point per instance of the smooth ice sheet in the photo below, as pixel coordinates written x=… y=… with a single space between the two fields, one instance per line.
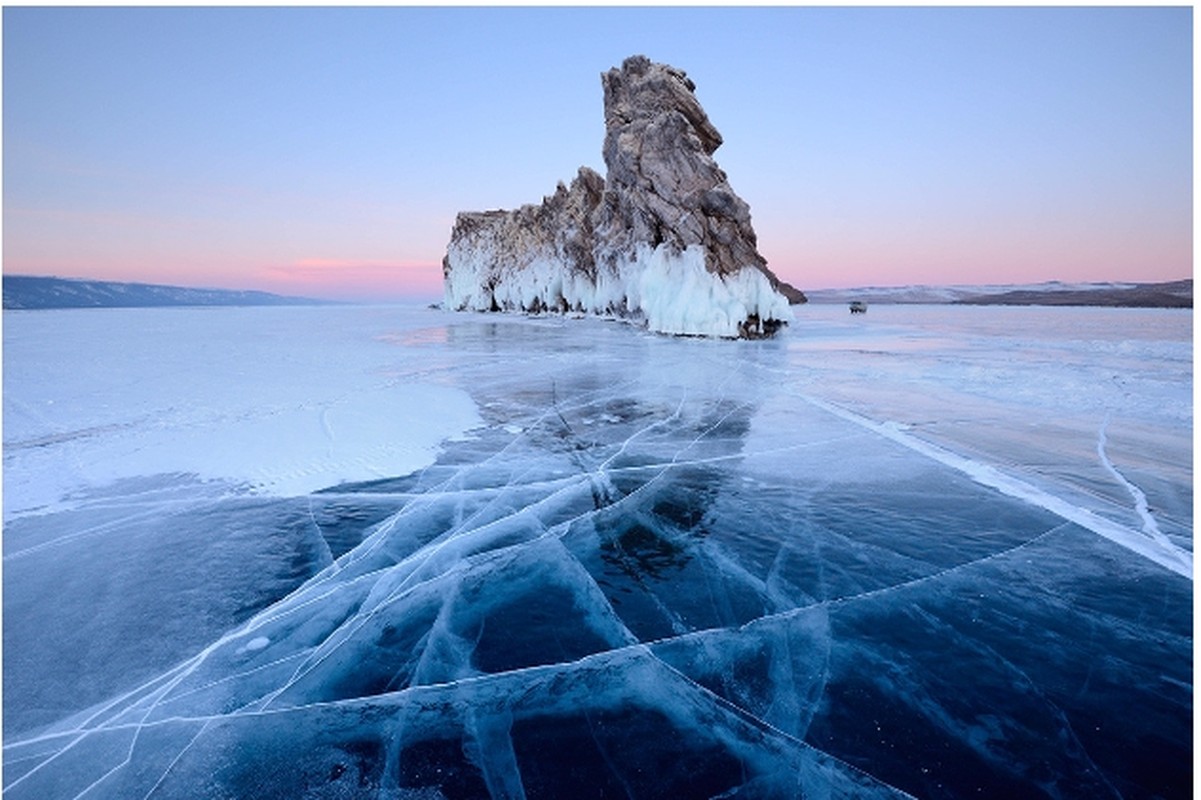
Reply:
x=933 y=553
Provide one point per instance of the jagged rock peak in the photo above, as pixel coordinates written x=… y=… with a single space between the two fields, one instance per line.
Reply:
x=641 y=91
x=658 y=150
x=662 y=238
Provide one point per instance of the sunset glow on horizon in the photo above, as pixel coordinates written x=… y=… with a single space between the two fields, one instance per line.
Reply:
x=325 y=152
x=356 y=280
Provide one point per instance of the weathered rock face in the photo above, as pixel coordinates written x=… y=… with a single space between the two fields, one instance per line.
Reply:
x=663 y=238
x=536 y=258
x=663 y=184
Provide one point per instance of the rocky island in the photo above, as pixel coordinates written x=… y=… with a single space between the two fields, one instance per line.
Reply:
x=661 y=238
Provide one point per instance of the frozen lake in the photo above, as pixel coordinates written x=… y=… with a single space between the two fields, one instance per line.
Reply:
x=929 y=551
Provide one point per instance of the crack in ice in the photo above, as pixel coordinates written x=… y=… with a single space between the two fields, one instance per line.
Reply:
x=1163 y=553
x=1150 y=527
x=470 y=542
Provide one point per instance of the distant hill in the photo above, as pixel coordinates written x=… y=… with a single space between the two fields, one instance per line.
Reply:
x=1174 y=294
x=34 y=292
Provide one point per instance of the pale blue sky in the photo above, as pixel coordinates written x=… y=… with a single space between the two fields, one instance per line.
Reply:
x=326 y=151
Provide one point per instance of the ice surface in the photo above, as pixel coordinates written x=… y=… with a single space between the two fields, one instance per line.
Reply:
x=939 y=552
x=276 y=401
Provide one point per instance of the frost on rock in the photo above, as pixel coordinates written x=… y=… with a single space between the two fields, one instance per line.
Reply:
x=662 y=239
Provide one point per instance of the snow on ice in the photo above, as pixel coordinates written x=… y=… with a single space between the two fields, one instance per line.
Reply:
x=284 y=406
x=940 y=552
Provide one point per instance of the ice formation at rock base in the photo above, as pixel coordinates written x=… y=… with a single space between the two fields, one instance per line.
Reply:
x=662 y=239
x=670 y=292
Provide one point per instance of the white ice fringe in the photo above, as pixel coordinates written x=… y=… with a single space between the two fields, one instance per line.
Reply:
x=671 y=292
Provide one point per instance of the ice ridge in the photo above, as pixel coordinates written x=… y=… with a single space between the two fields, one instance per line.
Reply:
x=1141 y=507
x=1158 y=549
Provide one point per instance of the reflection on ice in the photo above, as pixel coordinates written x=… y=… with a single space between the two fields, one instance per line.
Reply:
x=659 y=567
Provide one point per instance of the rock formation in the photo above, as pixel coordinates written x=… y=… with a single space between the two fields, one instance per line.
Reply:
x=662 y=238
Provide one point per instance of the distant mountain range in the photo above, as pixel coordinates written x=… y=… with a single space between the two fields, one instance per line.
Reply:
x=1174 y=294
x=34 y=292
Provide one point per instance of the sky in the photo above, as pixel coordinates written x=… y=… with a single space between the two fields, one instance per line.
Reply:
x=325 y=151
